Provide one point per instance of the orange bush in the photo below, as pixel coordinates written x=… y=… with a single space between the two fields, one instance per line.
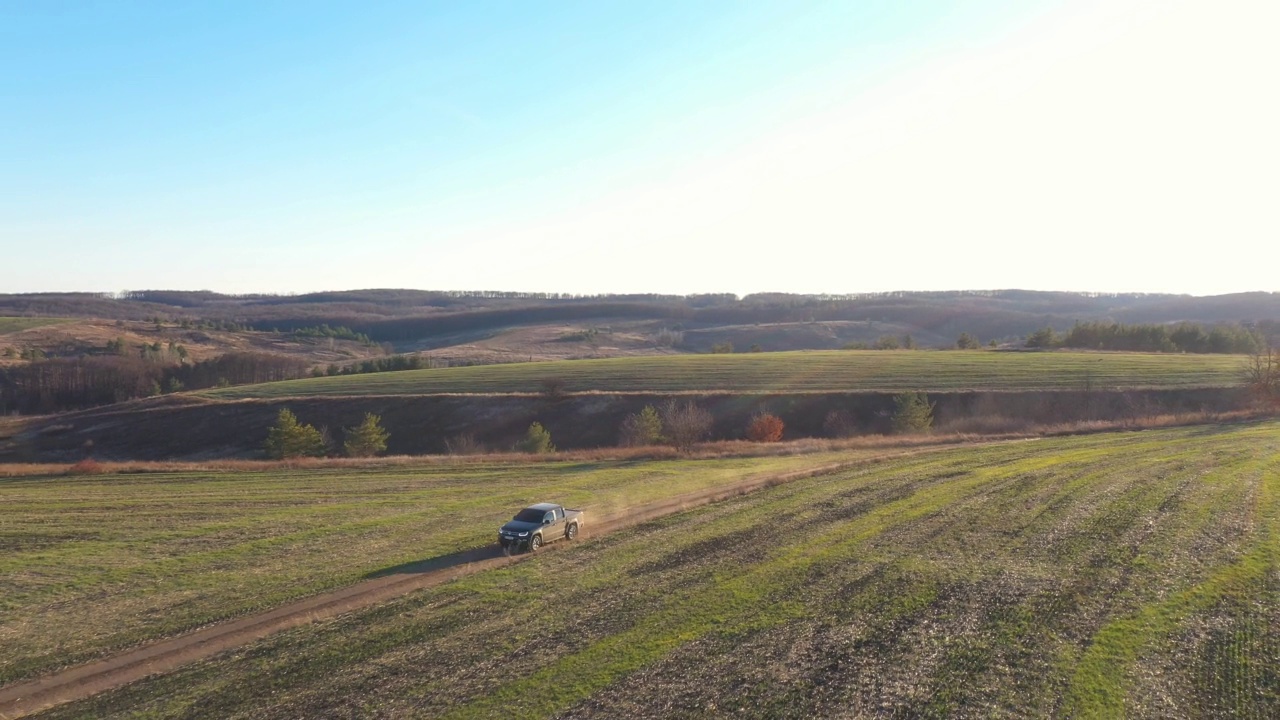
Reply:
x=765 y=427
x=87 y=466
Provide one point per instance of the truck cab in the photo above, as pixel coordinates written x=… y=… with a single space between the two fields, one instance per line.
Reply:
x=539 y=524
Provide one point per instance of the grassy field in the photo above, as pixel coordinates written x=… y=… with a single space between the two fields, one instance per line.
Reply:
x=89 y=564
x=823 y=371
x=18 y=324
x=1100 y=576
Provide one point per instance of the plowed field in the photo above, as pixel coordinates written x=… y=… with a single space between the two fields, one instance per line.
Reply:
x=92 y=565
x=820 y=371
x=1109 y=575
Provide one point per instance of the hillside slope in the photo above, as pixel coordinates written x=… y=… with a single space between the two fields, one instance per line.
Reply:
x=832 y=371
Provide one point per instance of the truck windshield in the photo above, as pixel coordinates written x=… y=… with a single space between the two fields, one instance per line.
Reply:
x=530 y=515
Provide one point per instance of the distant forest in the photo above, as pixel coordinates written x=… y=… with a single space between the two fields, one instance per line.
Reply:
x=59 y=384
x=1183 y=337
x=399 y=315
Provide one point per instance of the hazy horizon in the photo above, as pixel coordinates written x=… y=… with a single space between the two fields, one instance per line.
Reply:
x=122 y=294
x=729 y=146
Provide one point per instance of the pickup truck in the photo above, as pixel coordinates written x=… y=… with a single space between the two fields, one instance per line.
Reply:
x=539 y=524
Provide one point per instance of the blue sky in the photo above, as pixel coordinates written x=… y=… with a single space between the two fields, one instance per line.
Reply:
x=621 y=147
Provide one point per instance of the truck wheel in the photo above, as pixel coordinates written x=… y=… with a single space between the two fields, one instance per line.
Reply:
x=535 y=542
x=572 y=531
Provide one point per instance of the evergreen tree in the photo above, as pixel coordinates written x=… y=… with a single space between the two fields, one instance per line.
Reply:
x=536 y=441
x=913 y=413
x=1042 y=338
x=642 y=428
x=366 y=439
x=289 y=439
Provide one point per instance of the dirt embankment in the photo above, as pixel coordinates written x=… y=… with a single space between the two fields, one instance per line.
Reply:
x=189 y=428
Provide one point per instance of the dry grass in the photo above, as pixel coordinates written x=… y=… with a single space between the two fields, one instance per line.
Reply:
x=704 y=451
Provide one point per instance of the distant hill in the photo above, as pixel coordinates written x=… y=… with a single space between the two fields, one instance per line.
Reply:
x=403 y=316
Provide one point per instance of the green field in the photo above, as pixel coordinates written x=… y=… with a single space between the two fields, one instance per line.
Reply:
x=1108 y=575
x=825 y=371
x=89 y=564
x=18 y=324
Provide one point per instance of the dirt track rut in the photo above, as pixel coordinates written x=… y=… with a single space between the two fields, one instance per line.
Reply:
x=166 y=655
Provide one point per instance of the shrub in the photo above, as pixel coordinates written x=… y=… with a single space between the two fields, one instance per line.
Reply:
x=913 y=413
x=838 y=424
x=723 y=348
x=553 y=387
x=765 y=427
x=967 y=342
x=463 y=444
x=289 y=439
x=588 y=335
x=536 y=441
x=367 y=439
x=87 y=466
x=684 y=424
x=642 y=428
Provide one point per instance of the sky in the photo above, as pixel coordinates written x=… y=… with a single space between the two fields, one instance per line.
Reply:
x=664 y=146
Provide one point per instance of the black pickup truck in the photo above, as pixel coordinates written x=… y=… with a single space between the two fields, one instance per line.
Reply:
x=539 y=524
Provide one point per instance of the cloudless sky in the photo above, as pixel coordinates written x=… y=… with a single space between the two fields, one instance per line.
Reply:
x=710 y=146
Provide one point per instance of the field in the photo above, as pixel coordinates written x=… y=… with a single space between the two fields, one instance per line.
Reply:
x=829 y=371
x=1109 y=575
x=90 y=564
x=18 y=324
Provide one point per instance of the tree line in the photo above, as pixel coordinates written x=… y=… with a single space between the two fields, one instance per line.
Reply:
x=60 y=384
x=390 y=363
x=1184 y=337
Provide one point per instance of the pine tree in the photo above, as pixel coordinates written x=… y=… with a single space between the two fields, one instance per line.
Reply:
x=642 y=428
x=537 y=440
x=289 y=439
x=366 y=439
x=913 y=413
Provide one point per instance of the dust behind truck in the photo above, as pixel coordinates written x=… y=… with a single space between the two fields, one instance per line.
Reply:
x=538 y=525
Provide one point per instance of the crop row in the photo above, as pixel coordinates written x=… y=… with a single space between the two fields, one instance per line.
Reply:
x=88 y=564
x=1123 y=574
x=825 y=371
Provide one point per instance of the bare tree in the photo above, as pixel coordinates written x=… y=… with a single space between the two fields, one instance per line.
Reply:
x=463 y=444
x=553 y=387
x=839 y=424
x=684 y=424
x=1262 y=375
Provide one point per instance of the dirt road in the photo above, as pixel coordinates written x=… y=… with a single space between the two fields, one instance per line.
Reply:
x=169 y=654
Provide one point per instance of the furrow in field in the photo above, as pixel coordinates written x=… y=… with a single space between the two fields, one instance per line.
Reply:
x=163 y=656
x=986 y=582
